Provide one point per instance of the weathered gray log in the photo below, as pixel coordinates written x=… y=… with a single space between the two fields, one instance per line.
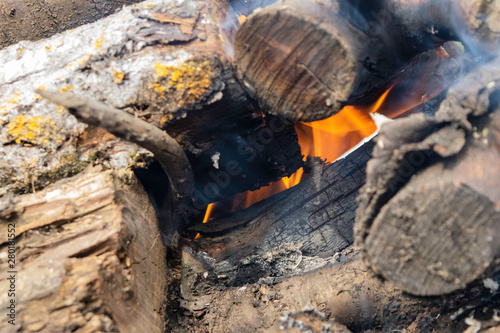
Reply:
x=428 y=217
x=162 y=61
x=34 y=20
x=88 y=256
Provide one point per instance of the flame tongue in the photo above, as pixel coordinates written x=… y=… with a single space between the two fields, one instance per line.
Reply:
x=328 y=138
x=332 y=137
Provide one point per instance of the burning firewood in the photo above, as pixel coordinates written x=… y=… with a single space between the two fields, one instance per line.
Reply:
x=166 y=67
x=34 y=20
x=428 y=216
x=305 y=60
x=314 y=219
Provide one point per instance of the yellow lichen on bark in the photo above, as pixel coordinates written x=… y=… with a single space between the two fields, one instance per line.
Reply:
x=157 y=88
x=187 y=83
x=68 y=87
x=35 y=130
x=99 y=41
x=118 y=76
x=161 y=69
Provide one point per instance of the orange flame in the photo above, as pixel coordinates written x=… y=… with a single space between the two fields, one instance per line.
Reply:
x=210 y=207
x=241 y=18
x=206 y=218
x=330 y=138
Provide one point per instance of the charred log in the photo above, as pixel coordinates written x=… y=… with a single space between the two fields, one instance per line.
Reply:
x=314 y=219
x=428 y=217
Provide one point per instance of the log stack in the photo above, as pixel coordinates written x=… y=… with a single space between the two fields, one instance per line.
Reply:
x=170 y=70
x=166 y=66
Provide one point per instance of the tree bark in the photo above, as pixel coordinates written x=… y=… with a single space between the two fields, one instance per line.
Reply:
x=428 y=217
x=168 y=69
x=165 y=149
x=88 y=256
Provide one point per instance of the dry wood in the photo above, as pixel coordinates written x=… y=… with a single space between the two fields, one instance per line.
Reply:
x=428 y=216
x=162 y=61
x=34 y=20
x=89 y=256
x=165 y=149
x=305 y=60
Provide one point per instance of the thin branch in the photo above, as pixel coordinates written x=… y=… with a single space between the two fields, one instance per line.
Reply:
x=166 y=150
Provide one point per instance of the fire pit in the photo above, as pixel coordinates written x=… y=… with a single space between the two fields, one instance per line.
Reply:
x=298 y=166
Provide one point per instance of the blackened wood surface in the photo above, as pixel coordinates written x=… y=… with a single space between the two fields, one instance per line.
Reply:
x=315 y=218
